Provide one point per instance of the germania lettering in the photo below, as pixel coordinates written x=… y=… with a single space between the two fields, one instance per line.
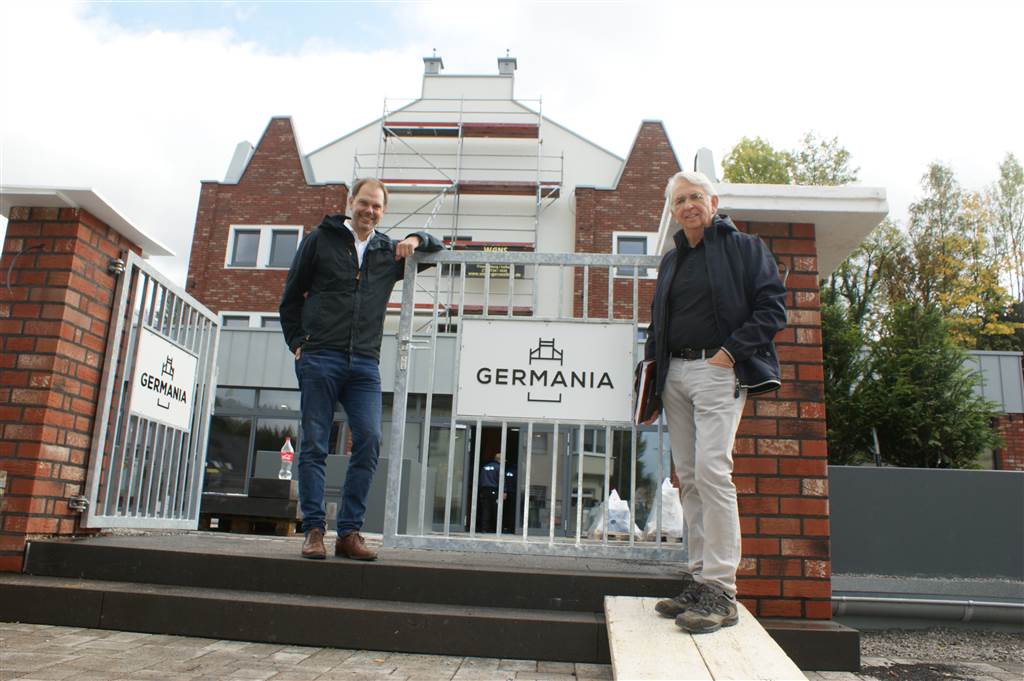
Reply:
x=163 y=387
x=545 y=378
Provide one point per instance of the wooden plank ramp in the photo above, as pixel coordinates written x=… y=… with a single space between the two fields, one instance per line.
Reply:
x=646 y=646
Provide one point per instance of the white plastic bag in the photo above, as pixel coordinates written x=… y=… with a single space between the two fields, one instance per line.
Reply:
x=671 y=513
x=618 y=518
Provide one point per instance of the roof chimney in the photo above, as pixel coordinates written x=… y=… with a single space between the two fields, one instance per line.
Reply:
x=506 y=65
x=704 y=162
x=432 y=65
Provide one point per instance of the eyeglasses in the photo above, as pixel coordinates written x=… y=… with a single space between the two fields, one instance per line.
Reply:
x=695 y=197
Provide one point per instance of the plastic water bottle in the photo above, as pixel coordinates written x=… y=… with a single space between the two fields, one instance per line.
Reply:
x=287 y=454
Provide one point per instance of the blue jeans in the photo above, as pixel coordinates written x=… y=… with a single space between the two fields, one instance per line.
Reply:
x=327 y=377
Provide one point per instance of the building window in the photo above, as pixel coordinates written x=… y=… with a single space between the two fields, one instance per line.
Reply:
x=262 y=246
x=283 y=243
x=235 y=321
x=245 y=248
x=270 y=322
x=634 y=243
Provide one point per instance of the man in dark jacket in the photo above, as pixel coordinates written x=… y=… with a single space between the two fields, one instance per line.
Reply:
x=332 y=315
x=718 y=304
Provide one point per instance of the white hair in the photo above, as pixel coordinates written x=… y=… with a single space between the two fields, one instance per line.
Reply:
x=693 y=177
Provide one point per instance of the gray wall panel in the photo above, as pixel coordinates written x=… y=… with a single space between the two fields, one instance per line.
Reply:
x=259 y=358
x=1001 y=378
x=911 y=521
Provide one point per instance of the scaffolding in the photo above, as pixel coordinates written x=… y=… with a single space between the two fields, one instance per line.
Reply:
x=471 y=170
x=447 y=150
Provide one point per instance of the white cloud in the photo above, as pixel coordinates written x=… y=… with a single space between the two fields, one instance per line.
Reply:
x=144 y=116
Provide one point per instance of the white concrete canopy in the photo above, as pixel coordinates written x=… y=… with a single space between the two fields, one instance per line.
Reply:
x=842 y=216
x=64 y=197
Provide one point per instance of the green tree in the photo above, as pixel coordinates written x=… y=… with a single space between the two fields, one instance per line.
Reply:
x=950 y=262
x=1006 y=205
x=821 y=162
x=920 y=397
x=754 y=161
x=852 y=299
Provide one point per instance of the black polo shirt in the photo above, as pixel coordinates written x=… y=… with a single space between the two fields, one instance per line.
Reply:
x=691 y=312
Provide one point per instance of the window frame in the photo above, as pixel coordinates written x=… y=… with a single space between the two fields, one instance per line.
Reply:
x=264 y=244
x=652 y=243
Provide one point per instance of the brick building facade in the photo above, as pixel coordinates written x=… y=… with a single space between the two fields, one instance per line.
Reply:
x=781 y=455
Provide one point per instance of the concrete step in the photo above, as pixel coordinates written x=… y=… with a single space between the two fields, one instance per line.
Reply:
x=388 y=579
x=307 y=620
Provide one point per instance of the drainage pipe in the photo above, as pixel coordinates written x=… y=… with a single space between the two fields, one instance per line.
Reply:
x=928 y=608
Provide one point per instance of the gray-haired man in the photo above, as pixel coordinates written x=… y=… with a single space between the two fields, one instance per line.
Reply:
x=718 y=304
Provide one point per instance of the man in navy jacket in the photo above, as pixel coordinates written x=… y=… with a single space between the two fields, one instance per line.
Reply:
x=332 y=315
x=718 y=304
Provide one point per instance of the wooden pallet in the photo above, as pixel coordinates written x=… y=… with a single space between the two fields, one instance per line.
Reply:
x=245 y=524
x=624 y=536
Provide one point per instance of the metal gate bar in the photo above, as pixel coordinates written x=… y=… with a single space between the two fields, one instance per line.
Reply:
x=456 y=306
x=145 y=473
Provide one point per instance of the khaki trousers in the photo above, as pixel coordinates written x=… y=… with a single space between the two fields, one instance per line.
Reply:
x=703 y=413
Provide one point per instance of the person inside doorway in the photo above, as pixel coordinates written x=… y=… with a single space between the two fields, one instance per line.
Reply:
x=487 y=499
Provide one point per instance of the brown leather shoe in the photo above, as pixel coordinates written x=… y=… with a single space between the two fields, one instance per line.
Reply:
x=353 y=546
x=313 y=545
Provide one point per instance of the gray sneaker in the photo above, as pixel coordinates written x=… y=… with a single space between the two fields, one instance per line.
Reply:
x=671 y=607
x=712 y=611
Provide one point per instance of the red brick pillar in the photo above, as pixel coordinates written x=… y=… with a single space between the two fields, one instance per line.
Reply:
x=55 y=309
x=781 y=454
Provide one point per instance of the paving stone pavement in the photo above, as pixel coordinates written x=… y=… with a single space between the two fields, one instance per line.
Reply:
x=36 y=652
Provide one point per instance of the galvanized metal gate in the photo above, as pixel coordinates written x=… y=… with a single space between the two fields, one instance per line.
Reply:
x=149 y=445
x=514 y=286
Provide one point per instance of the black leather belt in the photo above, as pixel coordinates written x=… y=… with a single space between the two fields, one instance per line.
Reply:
x=695 y=353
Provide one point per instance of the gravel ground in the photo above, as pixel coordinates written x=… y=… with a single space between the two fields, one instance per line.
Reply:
x=942 y=644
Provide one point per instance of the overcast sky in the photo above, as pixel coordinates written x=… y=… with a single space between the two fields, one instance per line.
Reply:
x=143 y=101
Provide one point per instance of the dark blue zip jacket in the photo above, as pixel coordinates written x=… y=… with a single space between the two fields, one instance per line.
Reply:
x=748 y=298
x=329 y=301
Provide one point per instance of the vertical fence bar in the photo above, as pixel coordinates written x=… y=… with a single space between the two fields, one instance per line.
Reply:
x=393 y=499
x=555 y=453
x=526 y=495
x=632 y=482
x=586 y=292
x=451 y=424
x=425 y=447
x=487 y=289
x=607 y=479
x=511 y=287
x=579 y=485
x=661 y=476
x=561 y=290
x=501 y=479
x=611 y=293
x=476 y=478
x=632 y=427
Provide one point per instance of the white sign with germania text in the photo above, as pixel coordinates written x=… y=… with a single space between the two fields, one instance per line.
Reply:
x=533 y=369
x=163 y=381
